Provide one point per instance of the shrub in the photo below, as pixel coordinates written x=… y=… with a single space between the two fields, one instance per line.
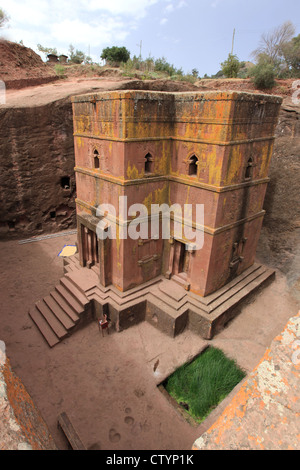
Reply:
x=231 y=66
x=161 y=65
x=115 y=54
x=263 y=76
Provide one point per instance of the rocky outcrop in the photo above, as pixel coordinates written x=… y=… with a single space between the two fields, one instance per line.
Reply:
x=37 y=183
x=21 y=425
x=264 y=414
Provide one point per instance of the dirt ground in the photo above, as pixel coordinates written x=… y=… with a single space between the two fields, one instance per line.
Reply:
x=48 y=93
x=108 y=385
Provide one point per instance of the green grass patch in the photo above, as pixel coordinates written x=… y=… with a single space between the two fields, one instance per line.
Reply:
x=202 y=384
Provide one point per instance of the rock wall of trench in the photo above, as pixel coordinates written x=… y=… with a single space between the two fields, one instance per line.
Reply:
x=37 y=183
x=280 y=235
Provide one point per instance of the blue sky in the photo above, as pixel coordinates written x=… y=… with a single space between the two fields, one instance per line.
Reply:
x=188 y=33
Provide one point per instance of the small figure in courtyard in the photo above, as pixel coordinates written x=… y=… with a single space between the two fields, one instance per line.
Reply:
x=103 y=324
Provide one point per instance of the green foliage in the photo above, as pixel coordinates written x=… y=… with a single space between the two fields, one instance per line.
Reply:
x=88 y=60
x=204 y=383
x=154 y=69
x=291 y=54
x=60 y=70
x=161 y=65
x=189 y=78
x=219 y=74
x=76 y=57
x=115 y=54
x=47 y=50
x=263 y=75
x=231 y=66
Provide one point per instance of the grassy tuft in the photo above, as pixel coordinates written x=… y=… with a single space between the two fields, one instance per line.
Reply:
x=201 y=385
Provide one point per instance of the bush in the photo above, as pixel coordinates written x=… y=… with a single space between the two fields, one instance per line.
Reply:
x=231 y=66
x=115 y=54
x=263 y=76
x=161 y=65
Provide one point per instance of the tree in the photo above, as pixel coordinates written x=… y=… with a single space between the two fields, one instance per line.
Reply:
x=291 y=54
x=231 y=66
x=115 y=54
x=47 y=50
x=271 y=44
x=76 y=57
x=4 y=18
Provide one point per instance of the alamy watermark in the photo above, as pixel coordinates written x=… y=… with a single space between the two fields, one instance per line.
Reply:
x=2 y=92
x=138 y=222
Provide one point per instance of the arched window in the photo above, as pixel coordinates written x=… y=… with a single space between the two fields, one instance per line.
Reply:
x=193 y=162
x=96 y=159
x=249 y=169
x=148 y=163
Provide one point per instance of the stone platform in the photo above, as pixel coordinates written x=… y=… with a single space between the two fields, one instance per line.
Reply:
x=79 y=298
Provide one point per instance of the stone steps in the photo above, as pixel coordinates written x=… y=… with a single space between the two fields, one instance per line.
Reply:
x=59 y=312
x=163 y=303
x=60 y=300
x=51 y=319
x=43 y=327
x=74 y=291
x=71 y=301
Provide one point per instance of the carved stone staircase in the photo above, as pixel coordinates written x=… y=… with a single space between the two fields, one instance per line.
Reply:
x=59 y=313
x=78 y=298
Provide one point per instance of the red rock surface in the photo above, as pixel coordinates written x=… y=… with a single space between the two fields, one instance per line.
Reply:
x=21 y=425
x=20 y=66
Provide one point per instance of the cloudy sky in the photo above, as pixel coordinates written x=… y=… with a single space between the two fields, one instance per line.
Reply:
x=188 y=33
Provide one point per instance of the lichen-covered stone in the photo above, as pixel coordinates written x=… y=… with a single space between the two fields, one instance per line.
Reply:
x=264 y=414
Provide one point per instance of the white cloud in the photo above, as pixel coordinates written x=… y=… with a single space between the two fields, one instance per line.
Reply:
x=169 y=8
x=136 y=8
x=163 y=21
x=29 y=12
x=79 y=32
x=172 y=7
x=58 y=23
